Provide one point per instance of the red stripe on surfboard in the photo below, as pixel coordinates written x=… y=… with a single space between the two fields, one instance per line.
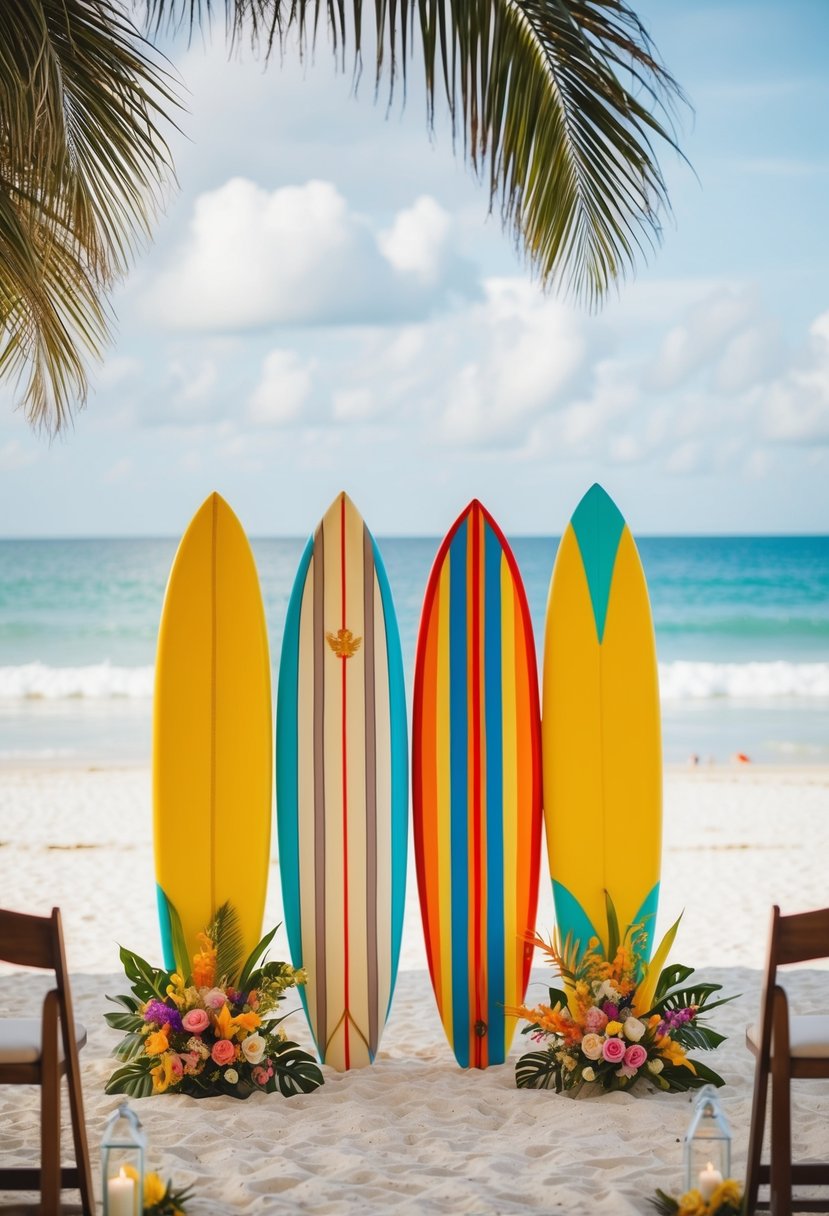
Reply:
x=343 y=662
x=475 y=664
x=527 y=915
x=421 y=805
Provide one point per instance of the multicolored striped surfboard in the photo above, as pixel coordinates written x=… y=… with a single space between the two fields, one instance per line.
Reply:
x=212 y=733
x=477 y=786
x=600 y=727
x=342 y=786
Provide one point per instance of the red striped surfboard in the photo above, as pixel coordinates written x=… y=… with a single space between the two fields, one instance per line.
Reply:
x=342 y=786
x=477 y=786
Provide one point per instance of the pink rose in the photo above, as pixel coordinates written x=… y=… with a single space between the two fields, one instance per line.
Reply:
x=223 y=1052
x=214 y=998
x=260 y=1076
x=635 y=1055
x=195 y=1021
x=176 y=1065
x=595 y=1020
x=613 y=1050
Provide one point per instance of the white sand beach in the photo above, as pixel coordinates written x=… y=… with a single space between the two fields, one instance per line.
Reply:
x=414 y=1133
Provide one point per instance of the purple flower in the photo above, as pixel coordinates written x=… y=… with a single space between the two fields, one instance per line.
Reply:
x=611 y=1010
x=157 y=1011
x=672 y=1019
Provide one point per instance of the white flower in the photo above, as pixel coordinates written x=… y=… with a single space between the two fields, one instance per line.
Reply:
x=633 y=1029
x=588 y=1074
x=607 y=992
x=591 y=1046
x=655 y=1066
x=253 y=1048
x=231 y=1076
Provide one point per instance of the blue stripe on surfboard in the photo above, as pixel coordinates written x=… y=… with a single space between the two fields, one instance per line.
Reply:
x=493 y=693
x=598 y=524
x=646 y=917
x=399 y=767
x=571 y=918
x=287 y=778
x=458 y=733
x=166 y=929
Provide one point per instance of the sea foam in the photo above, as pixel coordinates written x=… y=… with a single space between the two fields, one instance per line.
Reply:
x=98 y=682
x=682 y=680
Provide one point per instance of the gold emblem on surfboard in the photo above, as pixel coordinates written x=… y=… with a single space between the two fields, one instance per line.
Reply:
x=343 y=643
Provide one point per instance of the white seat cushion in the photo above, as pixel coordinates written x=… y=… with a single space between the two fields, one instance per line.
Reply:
x=808 y=1036
x=20 y=1040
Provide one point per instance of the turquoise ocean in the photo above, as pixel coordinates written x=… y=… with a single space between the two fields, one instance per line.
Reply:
x=742 y=631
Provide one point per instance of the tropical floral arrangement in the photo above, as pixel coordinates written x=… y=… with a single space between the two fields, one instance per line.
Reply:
x=725 y=1200
x=160 y=1198
x=209 y=1027
x=619 y=1020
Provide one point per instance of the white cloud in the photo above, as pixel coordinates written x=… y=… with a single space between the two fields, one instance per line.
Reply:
x=796 y=405
x=417 y=241
x=299 y=256
x=283 y=390
x=701 y=336
x=525 y=348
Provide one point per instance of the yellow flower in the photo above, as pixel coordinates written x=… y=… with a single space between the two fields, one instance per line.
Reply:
x=692 y=1204
x=673 y=1053
x=729 y=1192
x=223 y=1027
x=175 y=990
x=247 y=1022
x=157 y=1041
x=613 y=1028
x=154 y=1190
x=163 y=1075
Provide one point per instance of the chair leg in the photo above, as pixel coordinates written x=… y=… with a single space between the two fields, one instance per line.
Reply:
x=79 y=1133
x=755 y=1139
x=50 y=1110
x=780 y=1173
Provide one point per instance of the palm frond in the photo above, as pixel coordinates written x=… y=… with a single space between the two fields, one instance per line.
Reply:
x=226 y=935
x=563 y=100
x=82 y=165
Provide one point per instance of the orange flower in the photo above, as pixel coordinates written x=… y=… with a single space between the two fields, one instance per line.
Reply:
x=204 y=963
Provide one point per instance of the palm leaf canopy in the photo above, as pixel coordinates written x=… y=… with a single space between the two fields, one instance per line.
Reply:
x=560 y=104
x=82 y=159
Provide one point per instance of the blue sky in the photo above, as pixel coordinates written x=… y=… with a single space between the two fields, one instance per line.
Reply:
x=327 y=305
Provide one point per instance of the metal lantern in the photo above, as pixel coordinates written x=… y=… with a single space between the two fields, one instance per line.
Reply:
x=707 y=1147
x=122 y=1162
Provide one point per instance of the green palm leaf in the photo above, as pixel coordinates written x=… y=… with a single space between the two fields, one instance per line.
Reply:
x=82 y=161
x=226 y=934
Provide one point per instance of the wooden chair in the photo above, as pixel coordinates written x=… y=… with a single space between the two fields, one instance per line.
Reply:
x=32 y=1053
x=787 y=1047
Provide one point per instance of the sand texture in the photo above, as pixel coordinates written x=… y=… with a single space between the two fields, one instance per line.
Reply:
x=415 y=1133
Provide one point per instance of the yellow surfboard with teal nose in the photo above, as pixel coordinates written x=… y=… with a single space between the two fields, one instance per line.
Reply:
x=601 y=739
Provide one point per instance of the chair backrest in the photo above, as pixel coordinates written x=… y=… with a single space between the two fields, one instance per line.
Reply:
x=799 y=938
x=30 y=941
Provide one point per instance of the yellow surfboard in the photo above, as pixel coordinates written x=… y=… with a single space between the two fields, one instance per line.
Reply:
x=601 y=738
x=212 y=753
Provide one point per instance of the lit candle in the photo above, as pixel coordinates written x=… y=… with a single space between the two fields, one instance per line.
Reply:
x=121 y=1195
x=709 y=1180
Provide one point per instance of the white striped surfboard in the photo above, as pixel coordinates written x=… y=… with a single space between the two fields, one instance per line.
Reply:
x=342 y=786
